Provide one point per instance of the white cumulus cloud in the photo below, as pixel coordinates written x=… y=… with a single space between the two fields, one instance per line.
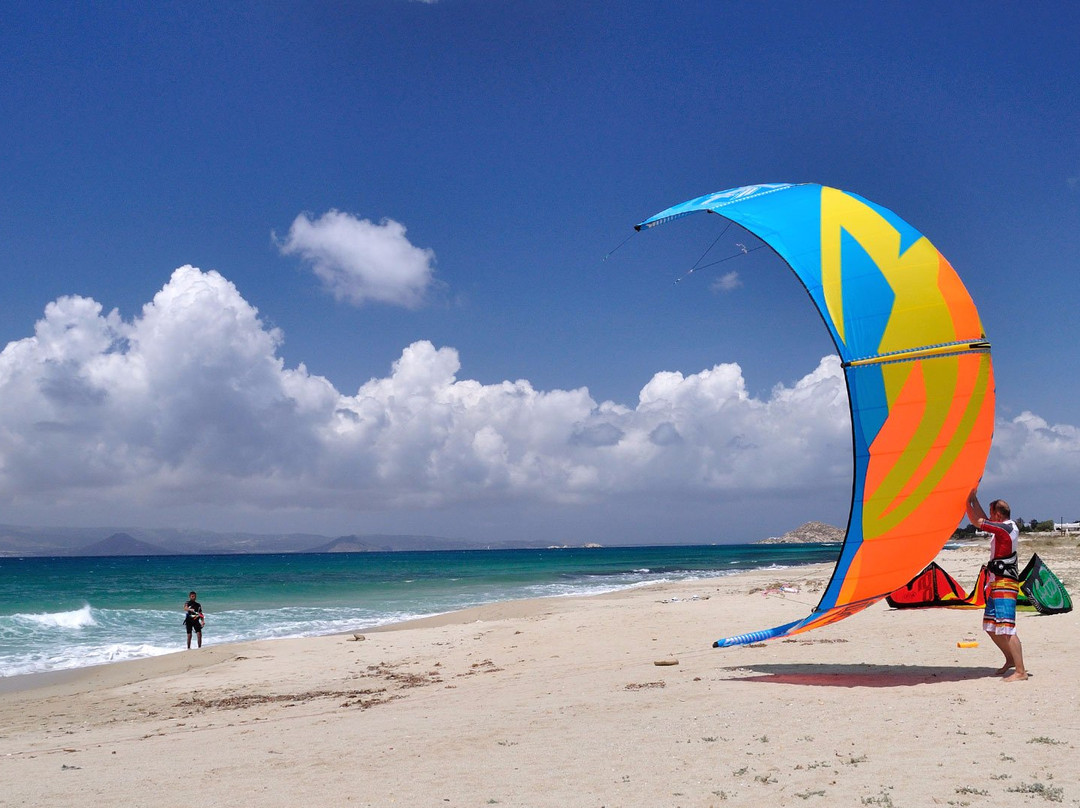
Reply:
x=190 y=402
x=188 y=405
x=359 y=260
x=727 y=282
x=1035 y=465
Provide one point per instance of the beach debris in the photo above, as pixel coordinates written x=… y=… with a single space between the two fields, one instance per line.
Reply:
x=487 y=666
x=405 y=679
x=786 y=589
x=776 y=588
x=662 y=663
x=680 y=600
x=645 y=685
x=242 y=701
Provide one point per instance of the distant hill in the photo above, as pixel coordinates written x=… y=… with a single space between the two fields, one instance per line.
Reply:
x=347 y=544
x=120 y=544
x=809 y=533
x=388 y=542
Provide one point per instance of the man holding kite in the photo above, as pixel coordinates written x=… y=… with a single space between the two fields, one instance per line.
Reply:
x=999 y=618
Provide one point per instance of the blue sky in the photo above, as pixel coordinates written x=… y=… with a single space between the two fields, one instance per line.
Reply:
x=436 y=185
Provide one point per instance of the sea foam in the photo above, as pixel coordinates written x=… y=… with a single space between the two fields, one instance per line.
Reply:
x=80 y=618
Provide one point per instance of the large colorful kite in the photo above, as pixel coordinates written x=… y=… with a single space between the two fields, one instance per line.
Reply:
x=918 y=370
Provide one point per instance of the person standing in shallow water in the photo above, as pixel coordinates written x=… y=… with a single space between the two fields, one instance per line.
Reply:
x=999 y=618
x=193 y=619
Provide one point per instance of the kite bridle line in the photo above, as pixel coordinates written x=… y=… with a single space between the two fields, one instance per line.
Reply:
x=740 y=254
x=609 y=253
x=697 y=264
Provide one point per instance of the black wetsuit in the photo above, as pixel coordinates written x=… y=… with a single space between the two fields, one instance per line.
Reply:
x=191 y=617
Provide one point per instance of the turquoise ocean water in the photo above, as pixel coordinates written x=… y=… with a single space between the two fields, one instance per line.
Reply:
x=63 y=613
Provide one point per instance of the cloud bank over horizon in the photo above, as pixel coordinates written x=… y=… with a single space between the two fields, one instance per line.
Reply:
x=189 y=405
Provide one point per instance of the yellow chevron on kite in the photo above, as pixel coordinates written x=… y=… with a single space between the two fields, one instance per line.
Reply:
x=919 y=314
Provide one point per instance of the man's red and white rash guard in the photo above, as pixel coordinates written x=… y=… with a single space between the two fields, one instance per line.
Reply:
x=1004 y=544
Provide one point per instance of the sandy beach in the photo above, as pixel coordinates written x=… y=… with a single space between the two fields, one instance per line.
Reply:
x=560 y=702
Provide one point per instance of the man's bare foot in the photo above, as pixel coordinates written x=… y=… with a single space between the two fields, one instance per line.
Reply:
x=1016 y=677
x=1008 y=666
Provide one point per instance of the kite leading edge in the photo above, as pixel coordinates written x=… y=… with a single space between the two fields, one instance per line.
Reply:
x=918 y=371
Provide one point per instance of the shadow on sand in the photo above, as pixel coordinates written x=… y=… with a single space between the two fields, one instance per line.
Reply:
x=819 y=675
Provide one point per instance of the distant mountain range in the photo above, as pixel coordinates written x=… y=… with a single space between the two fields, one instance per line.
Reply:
x=33 y=541
x=40 y=541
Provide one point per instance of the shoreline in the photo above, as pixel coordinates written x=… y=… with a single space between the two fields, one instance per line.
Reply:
x=516 y=608
x=434 y=611
x=509 y=609
x=521 y=608
x=115 y=610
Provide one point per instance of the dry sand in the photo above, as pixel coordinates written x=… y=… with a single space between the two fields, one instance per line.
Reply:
x=559 y=703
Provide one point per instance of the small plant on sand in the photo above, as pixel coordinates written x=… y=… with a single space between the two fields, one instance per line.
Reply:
x=805 y=795
x=1048 y=793
x=1044 y=739
x=969 y=790
x=883 y=799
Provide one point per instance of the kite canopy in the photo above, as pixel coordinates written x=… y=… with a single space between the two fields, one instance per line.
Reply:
x=1042 y=589
x=935 y=587
x=918 y=371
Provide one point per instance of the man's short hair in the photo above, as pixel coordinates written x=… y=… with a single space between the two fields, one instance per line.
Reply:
x=1002 y=507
